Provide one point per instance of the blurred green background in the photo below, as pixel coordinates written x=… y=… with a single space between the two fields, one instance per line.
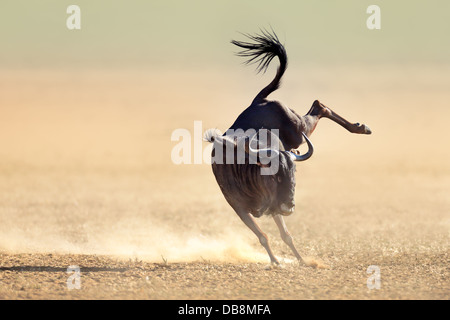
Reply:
x=197 y=33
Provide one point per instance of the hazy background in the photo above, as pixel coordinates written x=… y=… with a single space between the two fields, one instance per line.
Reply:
x=179 y=34
x=86 y=118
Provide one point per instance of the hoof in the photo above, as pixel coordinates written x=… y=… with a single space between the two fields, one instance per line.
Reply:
x=301 y=263
x=367 y=129
x=362 y=128
x=274 y=266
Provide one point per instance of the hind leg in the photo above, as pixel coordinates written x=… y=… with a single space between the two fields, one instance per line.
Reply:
x=250 y=222
x=285 y=235
x=320 y=110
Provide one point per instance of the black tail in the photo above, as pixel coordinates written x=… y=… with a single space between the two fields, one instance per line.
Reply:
x=266 y=47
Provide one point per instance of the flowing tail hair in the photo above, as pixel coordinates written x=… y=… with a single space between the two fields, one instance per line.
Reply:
x=264 y=48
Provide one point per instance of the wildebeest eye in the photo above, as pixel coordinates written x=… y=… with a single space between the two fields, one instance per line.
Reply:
x=279 y=179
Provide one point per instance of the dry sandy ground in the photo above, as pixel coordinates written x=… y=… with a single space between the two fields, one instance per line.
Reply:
x=86 y=180
x=43 y=276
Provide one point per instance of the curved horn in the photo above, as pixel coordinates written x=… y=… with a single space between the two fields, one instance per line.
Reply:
x=273 y=152
x=307 y=155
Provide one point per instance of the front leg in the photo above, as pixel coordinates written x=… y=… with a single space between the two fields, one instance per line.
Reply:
x=250 y=222
x=286 y=236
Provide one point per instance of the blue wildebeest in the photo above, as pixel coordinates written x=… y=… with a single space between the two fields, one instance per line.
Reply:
x=249 y=191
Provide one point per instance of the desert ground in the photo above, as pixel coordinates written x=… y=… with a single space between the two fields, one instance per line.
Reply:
x=87 y=180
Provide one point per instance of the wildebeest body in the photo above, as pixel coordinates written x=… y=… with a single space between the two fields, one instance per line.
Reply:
x=245 y=188
x=250 y=193
x=272 y=115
